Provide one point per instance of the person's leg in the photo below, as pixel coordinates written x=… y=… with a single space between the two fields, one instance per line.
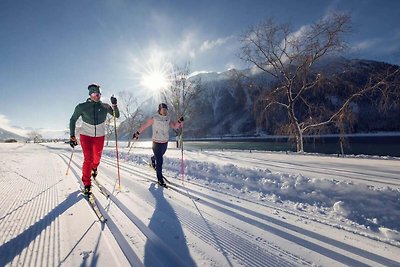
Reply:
x=86 y=144
x=153 y=162
x=159 y=151
x=98 y=145
x=164 y=148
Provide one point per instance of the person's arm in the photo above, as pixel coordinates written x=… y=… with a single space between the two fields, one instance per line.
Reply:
x=142 y=128
x=72 y=122
x=176 y=124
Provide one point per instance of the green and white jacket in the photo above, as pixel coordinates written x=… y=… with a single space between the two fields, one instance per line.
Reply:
x=93 y=116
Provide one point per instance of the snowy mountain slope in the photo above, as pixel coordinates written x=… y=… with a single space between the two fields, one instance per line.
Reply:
x=232 y=211
x=225 y=106
x=4 y=135
x=227 y=100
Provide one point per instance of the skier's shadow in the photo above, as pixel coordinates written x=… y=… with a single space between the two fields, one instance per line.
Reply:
x=166 y=225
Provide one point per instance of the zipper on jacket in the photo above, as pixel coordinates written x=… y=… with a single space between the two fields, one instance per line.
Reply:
x=94 y=119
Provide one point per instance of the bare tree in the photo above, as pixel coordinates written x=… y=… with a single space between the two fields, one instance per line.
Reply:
x=35 y=136
x=181 y=93
x=109 y=123
x=131 y=111
x=289 y=57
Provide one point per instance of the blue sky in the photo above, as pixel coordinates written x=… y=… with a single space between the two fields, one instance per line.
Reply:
x=51 y=50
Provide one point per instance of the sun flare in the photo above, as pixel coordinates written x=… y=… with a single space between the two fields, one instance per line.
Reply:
x=154 y=80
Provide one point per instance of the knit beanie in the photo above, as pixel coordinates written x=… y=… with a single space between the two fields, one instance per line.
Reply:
x=162 y=105
x=94 y=88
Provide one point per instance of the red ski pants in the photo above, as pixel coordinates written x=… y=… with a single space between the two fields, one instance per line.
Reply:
x=92 y=148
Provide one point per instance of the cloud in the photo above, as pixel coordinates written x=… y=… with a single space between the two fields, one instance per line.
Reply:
x=302 y=31
x=377 y=46
x=187 y=45
x=366 y=44
x=208 y=45
x=335 y=6
x=230 y=66
x=188 y=48
x=5 y=125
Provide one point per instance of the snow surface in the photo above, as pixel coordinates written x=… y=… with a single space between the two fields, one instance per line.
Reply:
x=235 y=208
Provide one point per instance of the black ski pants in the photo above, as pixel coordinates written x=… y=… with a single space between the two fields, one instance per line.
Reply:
x=159 y=150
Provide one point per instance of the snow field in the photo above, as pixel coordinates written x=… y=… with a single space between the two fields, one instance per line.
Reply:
x=235 y=209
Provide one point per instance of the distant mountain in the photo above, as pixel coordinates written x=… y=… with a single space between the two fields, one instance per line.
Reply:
x=225 y=107
x=4 y=135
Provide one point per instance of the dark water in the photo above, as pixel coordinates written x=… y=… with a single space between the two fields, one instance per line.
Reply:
x=366 y=145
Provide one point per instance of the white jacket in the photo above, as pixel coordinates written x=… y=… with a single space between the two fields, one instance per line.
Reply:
x=161 y=126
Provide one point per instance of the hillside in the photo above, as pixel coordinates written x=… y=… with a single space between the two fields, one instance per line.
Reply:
x=225 y=106
x=5 y=135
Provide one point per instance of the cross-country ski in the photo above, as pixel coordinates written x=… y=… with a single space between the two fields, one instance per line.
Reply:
x=93 y=203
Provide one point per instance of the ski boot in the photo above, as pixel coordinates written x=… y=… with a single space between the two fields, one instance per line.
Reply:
x=88 y=190
x=94 y=173
x=162 y=183
x=153 y=162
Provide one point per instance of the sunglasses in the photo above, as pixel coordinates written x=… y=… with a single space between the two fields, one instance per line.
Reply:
x=95 y=94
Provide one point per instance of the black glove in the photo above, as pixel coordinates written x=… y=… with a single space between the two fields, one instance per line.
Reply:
x=180 y=119
x=136 y=135
x=113 y=101
x=72 y=141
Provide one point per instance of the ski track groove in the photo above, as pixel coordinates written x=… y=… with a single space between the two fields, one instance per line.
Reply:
x=39 y=237
x=35 y=244
x=236 y=245
x=299 y=233
x=249 y=253
x=202 y=234
x=17 y=204
x=232 y=240
x=12 y=214
x=29 y=219
x=6 y=200
x=32 y=246
x=285 y=210
x=24 y=214
x=119 y=237
x=266 y=243
x=253 y=261
x=7 y=225
x=134 y=170
x=308 y=244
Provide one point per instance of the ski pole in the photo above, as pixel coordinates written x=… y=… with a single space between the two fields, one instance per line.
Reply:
x=130 y=147
x=70 y=159
x=116 y=150
x=182 y=162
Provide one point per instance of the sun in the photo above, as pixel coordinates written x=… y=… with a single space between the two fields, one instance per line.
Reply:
x=154 y=80
x=152 y=71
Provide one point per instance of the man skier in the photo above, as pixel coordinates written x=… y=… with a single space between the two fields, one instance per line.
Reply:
x=161 y=123
x=93 y=130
